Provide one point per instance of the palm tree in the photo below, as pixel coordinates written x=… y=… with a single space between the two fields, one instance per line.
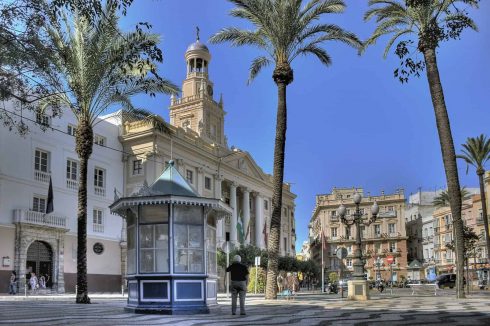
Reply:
x=283 y=30
x=97 y=67
x=443 y=200
x=432 y=21
x=476 y=152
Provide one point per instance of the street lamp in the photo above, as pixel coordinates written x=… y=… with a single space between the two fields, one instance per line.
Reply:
x=358 y=289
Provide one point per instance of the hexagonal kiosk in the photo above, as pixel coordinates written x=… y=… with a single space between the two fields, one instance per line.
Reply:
x=171 y=246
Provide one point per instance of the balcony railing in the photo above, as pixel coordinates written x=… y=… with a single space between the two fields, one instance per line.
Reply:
x=41 y=176
x=99 y=228
x=71 y=184
x=99 y=191
x=38 y=218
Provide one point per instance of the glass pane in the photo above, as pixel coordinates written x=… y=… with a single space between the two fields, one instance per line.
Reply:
x=180 y=235
x=162 y=260
x=154 y=214
x=188 y=214
x=195 y=236
x=181 y=261
x=196 y=260
x=161 y=236
x=210 y=239
x=131 y=261
x=212 y=269
x=146 y=260
x=146 y=236
x=211 y=220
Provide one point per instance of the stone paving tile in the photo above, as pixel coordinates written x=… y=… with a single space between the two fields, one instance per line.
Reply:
x=304 y=310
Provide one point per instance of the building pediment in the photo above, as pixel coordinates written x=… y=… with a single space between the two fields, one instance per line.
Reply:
x=244 y=162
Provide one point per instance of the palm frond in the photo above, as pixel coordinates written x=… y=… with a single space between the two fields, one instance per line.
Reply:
x=256 y=66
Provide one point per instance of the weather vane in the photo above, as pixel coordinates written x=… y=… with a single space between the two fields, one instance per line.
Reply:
x=197 y=32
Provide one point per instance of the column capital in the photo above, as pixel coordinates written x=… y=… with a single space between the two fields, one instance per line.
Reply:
x=218 y=177
x=245 y=189
x=234 y=184
x=200 y=169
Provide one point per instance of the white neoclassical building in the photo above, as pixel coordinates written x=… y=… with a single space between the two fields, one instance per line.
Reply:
x=127 y=155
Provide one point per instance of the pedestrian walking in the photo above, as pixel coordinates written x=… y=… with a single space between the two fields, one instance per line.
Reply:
x=239 y=280
x=33 y=282
x=280 y=282
x=13 y=283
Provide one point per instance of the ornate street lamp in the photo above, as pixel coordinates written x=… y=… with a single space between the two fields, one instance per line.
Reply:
x=358 y=288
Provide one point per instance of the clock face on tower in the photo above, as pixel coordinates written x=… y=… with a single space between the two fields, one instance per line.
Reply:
x=210 y=90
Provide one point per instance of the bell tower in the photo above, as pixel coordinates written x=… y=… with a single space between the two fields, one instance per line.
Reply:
x=196 y=110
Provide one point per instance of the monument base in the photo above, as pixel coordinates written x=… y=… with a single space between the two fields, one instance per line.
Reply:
x=358 y=290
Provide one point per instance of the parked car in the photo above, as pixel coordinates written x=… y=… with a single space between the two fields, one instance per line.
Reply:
x=447 y=281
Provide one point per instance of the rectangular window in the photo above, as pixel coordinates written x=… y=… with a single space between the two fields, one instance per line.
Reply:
x=266 y=205
x=391 y=228
x=154 y=248
x=390 y=208
x=189 y=176
x=347 y=231
x=71 y=170
x=207 y=183
x=349 y=262
x=39 y=204
x=333 y=213
x=392 y=246
x=188 y=239
x=99 y=177
x=42 y=119
x=137 y=167
x=377 y=247
x=97 y=216
x=99 y=182
x=377 y=230
x=333 y=233
x=41 y=161
x=211 y=244
x=362 y=211
x=71 y=129
x=99 y=140
x=285 y=245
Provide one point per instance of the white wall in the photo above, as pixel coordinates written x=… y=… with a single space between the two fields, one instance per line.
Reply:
x=18 y=185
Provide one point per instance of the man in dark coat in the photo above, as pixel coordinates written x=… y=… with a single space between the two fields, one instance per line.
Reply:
x=239 y=280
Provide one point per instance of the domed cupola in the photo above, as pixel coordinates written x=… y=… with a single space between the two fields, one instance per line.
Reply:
x=197 y=57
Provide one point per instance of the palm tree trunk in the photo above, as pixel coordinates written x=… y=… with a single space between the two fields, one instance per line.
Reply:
x=484 y=211
x=449 y=159
x=84 y=143
x=275 y=228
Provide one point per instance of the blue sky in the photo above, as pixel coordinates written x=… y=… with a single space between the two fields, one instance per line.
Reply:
x=351 y=124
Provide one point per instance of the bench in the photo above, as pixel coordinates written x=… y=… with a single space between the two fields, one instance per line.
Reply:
x=424 y=288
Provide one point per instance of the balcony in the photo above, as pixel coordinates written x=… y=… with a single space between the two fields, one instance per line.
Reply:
x=72 y=184
x=38 y=218
x=99 y=228
x=387 y=214
x=334 y=218
x=479 y=221
x=99 y=191
x=42 y=176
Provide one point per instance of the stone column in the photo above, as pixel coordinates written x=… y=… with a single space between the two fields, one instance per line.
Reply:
x=259 y=221
x=233 y=204
x=200 y=181
x=218 y=195
x=246 y=214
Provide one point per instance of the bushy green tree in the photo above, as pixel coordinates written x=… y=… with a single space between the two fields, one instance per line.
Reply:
x=260 y=280
x=333 y=277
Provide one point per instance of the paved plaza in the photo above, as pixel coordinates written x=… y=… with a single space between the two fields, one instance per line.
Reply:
x=312 y=309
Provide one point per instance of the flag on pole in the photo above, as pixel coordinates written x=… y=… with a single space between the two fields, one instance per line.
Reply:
x=248 y=231
x=49 y=204
x=239 y=227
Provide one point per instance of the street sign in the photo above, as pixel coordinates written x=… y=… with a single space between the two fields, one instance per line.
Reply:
x=227 y=246
x=390 y=260
x=257 y=261
x=341 y=253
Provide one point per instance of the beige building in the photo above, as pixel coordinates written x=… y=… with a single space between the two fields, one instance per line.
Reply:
x=385 y=237
x=195 y=139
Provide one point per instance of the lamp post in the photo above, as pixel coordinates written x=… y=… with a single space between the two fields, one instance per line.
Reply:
x=378 y=263
x=358 y=289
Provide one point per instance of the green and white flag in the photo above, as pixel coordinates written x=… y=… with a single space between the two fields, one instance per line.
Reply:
x=239 y=228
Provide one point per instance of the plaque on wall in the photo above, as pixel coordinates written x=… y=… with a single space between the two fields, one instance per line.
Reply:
x=98 y=248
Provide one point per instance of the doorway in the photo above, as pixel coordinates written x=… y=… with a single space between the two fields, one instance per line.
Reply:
x=40 y=261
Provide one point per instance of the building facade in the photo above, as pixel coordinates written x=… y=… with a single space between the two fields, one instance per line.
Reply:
x=46 y=244
x=128 y=154
x=385 y=237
